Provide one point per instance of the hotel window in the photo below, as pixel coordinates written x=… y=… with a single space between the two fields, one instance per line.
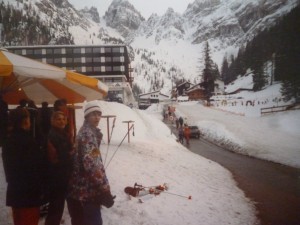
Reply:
x=97 y=68
x=102 y=59
x=88 y=50
x=83 y=69
x=102 y=68
x=69 y=51
x=116 y=59
x=37 y=51
x=89 y=69
x=49 y=51
x=97 y=59
x=88 y=59
x=57 y=51
x=18 y=52
x=116 y=68
x=102 y=50
x=121 y=49
x=96 y=50
x=29 y=52
x=107 y=59
x=77 y=50
x=117 y=49
x=108 y=69
x=77 y=60
x=107 y=50
x=63 y=60
x=69 y=60
x=57 y=60
x=122 y=68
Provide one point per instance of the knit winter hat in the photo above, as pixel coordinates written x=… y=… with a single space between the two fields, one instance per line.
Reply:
x=91 y=107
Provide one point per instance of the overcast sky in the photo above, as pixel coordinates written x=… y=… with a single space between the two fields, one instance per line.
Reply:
x=145 y=7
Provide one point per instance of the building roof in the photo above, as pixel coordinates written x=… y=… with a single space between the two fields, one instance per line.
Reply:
x=66 y=46
x=183 y=83
x=153 y=93
x=194 y=88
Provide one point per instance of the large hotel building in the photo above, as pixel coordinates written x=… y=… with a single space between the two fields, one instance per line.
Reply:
x=108 y=63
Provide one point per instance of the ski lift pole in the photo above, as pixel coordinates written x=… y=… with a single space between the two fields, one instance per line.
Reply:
x=109 y=134
x=128 y=125
x=107 y=124
x=119 y=146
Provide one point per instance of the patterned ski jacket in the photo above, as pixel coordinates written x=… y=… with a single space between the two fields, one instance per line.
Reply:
x=88 y=179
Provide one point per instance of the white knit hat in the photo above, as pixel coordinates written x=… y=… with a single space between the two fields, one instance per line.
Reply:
x=91 y=107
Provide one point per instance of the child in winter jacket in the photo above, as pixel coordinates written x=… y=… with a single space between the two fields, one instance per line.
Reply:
x=89 y=187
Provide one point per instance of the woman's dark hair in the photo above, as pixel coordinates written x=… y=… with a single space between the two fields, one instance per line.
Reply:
x=17 y=116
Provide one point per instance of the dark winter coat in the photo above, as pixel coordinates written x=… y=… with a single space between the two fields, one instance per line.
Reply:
x=180 y=120
x=24 y=170
x=59 y=161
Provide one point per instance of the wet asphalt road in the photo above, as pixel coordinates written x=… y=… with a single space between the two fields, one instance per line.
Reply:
x=274 y=188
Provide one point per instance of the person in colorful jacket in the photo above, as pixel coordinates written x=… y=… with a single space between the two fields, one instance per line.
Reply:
x=89 y=187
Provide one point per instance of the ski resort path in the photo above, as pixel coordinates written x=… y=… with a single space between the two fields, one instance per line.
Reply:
x=274 y=188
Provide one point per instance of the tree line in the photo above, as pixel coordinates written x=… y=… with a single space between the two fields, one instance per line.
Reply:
x=280 y=46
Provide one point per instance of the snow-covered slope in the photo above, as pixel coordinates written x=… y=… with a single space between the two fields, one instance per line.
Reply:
x=154 y=157
x=174 y=40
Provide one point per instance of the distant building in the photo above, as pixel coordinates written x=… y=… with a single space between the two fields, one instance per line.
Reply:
x=108 y=63
x=145 y=100
x=195 y=92
x=182 y=87
x=219 y=87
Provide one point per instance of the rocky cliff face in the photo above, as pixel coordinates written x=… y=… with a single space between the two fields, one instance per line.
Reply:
x=91 y=13
x=123 y=17
x=161 y=43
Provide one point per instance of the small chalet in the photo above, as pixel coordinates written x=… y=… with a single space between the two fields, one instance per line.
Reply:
x=195 y=92
x=145 y=100
x=181 y=88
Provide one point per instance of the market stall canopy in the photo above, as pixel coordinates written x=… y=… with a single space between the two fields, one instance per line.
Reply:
x=24 y=78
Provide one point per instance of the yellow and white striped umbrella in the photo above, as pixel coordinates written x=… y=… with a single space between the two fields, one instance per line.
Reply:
x=24 y=78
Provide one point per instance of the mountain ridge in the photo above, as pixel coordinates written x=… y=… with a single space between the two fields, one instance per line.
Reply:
x=171 y=42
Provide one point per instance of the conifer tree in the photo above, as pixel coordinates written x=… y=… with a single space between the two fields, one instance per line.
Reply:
x=209 y=74
x=225 y=71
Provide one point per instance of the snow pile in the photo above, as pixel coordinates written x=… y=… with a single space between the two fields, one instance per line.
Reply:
x=273 y=137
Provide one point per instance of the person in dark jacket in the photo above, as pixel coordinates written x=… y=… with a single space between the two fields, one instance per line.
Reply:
x=23 y=167
x=4 y=119
x=59 y=149
x=45 y=121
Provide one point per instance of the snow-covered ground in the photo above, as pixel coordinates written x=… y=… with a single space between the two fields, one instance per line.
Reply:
x=154 y=157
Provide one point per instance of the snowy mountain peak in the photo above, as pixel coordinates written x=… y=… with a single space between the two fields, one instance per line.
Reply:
x=91 y=13
x=122 y=16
